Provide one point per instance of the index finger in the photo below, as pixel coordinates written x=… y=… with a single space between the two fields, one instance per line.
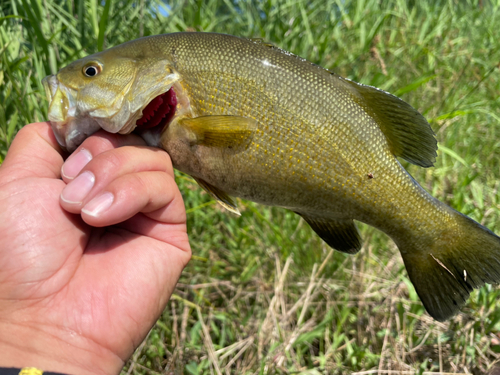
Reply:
x=96 y=144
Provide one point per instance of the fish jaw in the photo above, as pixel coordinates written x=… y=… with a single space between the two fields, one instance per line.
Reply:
x=76 y=113
x=69 y=129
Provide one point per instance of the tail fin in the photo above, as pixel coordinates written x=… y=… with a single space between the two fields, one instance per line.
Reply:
x=445 y=271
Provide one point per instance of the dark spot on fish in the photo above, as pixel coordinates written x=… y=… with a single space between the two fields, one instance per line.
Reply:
x=174 y=57
x=369 y=175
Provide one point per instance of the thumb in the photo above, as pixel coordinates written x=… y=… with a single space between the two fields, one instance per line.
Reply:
x=33 y=153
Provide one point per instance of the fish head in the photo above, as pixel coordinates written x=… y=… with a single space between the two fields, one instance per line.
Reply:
x=109 y=90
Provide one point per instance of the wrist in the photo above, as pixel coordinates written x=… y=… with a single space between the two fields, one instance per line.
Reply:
x=53 y=349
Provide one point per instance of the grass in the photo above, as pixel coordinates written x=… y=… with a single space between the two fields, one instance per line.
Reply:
x=263 y=295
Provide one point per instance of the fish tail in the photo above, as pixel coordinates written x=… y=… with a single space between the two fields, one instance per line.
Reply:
x=445 y=270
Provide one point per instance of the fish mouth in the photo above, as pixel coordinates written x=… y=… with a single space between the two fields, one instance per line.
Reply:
x=69 y=130
x=71 y=126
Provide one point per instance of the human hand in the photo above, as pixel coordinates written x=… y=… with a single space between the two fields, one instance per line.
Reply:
x=80 y=289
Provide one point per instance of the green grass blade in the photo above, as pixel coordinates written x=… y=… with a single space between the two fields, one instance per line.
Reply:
x=102 y=25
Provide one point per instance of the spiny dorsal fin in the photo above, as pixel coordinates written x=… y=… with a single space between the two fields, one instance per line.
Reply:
x=342 y=235
x=221 y=131
x=262 y=42
x=224 y=200
x=409 y=134
x=277 y=49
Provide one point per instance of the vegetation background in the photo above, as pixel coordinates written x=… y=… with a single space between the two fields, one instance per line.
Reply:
x=263 y=294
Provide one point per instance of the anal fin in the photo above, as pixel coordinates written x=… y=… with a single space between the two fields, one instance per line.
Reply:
x=220 y=196
x=342 y=235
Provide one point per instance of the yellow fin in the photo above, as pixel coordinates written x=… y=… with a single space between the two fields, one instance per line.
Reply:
x=221 y=131
x=224 y=200
x=342 y=235
x=408 y=133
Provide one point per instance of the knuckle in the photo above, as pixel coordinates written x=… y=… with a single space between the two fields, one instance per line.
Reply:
x=111 y=161
x=99 y=143
x=106 y=165
x=141 y=183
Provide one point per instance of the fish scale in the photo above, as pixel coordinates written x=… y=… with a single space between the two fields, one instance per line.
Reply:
x=256 y=122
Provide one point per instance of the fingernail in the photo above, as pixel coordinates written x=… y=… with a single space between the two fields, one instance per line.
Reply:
x=77 y=190
x=99 y=204
x=75 y=164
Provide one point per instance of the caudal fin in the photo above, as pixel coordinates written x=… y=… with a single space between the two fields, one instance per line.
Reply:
x=445 y=270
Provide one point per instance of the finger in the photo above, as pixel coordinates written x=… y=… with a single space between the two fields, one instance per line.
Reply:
x=173 y=234
x=95 y=145
x=109 y=166
x=33 y=153
x=154 y=193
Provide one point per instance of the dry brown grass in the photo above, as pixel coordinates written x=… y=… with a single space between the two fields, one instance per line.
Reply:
x=318 y=325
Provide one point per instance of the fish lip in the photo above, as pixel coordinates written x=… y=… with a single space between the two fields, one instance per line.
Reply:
x=62 y=103
x=62 y=115
x=50 y=84
x=78 y=130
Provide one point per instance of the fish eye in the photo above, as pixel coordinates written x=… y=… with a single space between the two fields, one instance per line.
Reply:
x=92 y=70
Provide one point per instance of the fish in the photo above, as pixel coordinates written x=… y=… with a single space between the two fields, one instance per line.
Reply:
x=247 y=119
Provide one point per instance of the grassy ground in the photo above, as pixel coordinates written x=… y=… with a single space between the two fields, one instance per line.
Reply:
x=263 y=295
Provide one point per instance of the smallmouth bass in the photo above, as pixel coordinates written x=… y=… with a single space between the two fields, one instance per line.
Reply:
x=249 y=120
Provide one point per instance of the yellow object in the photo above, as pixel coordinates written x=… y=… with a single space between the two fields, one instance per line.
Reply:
x=249 y=120
x=30 y=371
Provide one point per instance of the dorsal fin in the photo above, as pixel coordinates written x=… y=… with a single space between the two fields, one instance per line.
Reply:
x=408 y=133
x=262 y=42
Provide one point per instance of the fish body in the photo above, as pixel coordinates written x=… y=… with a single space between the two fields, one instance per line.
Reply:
x=249 y=120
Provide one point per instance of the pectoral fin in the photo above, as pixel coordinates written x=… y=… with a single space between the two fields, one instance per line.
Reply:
x=220 y=131
x=342 y=235
x=224 y=200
